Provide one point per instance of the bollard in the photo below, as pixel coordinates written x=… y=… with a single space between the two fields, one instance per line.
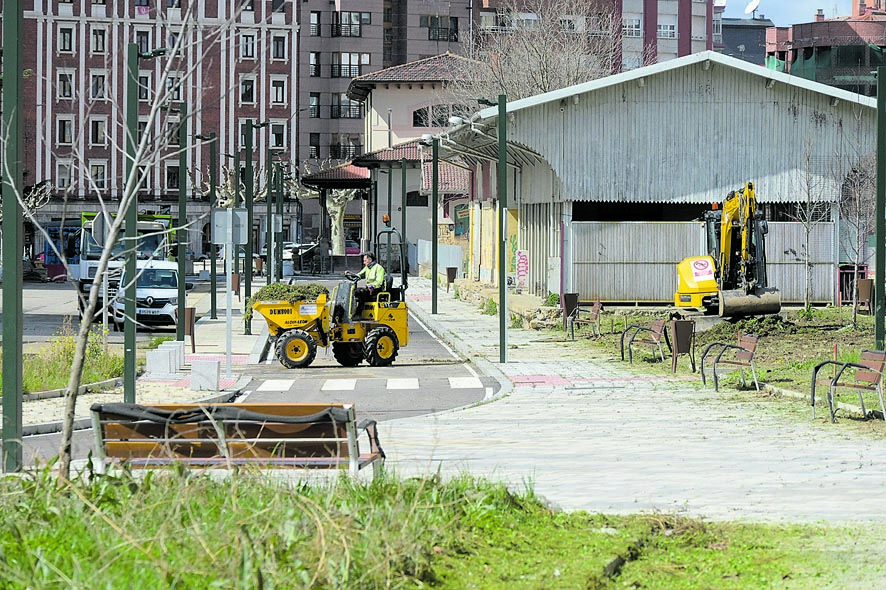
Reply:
x=235 y=284
x=451 y=273
x=190 y=325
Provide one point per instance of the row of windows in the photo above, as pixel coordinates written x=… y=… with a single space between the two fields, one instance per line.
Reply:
x=344 y=24
x=249 y=5
x=97 y=176
x=336 y=151
x=344 y=64
x=98 y=43
x=98 y=132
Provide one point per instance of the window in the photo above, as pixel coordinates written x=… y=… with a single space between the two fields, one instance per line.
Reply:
x=63 y=175
x=278 y=135
x=248 y=5
x=64 y=131
x=172 y=40
x=173 y=4
x=142 y=128
x=278 y=91
x=416 y=199
x=631 y=27
x=172 y=135
x=65 y=84
x=97 y=131
x=172 y=176
x=344 y=108
x=349 y=24
x=440 y=28
x=315 y=64
x=667 y=31
x=98 y=40
x=440 y=115
x=314 y=106
x=97 y=86
x=141 y=3
x=314 y=145
x=345 y=151
x=278 y=47
x=66 y=40
x=247 y=90
x=247 y=46
x=421 y=117
x=145 y=175
x=315 y=24
x=97 y=175
x=142 y=39
x=174 y=88
x=277 y=5
x=144 y=87
x=348 y=65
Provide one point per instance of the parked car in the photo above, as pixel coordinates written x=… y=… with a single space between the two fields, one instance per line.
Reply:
x=287 y=249
x=156 y=295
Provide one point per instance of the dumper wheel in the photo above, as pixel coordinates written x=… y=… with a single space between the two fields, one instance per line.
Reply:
x=381 y=346
x=348 y=354
x=296 y=349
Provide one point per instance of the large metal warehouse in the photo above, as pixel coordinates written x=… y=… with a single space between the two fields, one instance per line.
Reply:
x=607 y=179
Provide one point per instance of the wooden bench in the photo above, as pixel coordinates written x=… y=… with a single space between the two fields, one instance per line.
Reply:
x=739 y=355
x=865 y=375
x=651 y=335
x=586 y=315
x=282 y=435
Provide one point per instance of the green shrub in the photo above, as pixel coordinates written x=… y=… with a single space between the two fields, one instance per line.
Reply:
x=51 y=367
x=553 y=300
x=490 y=307
x=455 y=292
x=517 y=320
x=282 y=292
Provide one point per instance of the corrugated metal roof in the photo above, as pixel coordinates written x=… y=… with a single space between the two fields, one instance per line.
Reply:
x=683 y=131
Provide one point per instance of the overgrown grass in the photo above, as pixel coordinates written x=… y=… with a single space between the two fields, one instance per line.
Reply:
x=489 y=307
x=181 y=530
x=50 y=368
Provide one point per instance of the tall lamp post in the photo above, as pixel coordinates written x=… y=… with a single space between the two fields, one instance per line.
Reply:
x=12 y=238
x=250 y=209
x=131 y=217
x=213 y=249
x=182 y=232
x=435 y=182
x=502 y=222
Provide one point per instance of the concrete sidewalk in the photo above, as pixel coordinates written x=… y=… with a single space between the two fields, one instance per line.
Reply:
x=589 y=433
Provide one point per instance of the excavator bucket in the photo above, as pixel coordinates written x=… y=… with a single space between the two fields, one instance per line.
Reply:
x=737 y=302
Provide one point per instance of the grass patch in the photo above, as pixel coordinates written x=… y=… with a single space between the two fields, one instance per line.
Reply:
x=176 y=529
x=489 y=307
x=51 y=367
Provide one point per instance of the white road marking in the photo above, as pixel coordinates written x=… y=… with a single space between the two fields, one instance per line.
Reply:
x=488 y=395
x=434 y=336
x=406 y=383
x=339 y=385
x=465 y=383
x=276 y=385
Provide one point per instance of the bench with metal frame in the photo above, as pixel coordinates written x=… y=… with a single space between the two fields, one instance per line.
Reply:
x=739 y=355
x=865 y=375
x=586 y=315
x=652 y=335
x=225 y=435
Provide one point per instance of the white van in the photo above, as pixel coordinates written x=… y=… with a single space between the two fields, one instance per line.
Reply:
x=156 y=294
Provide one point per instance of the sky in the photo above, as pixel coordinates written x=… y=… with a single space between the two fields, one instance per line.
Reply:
x=783 y=13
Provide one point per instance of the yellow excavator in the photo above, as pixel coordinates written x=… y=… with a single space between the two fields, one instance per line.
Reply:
x=732 y=279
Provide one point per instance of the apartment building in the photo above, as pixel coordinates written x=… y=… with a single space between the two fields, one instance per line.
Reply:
x=842 y=52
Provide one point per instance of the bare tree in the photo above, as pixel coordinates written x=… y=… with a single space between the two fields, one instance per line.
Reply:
x=542 y=45
x=181 y=63
x=809 y=211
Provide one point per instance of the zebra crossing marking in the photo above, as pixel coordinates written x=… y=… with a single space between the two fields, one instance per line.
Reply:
x=405 y=383
x=276 y=385
x=465 y=383
x=339 y=385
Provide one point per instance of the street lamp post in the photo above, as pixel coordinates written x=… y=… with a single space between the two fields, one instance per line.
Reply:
x=131 y=218
x=502 y=222
x=213 y=249
x=250 y=206
x=404 y=256
x=12 y=237
x=278 y=199
x=182 y=218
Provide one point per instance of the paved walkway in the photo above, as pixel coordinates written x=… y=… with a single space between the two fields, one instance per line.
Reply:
x=587 y=433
